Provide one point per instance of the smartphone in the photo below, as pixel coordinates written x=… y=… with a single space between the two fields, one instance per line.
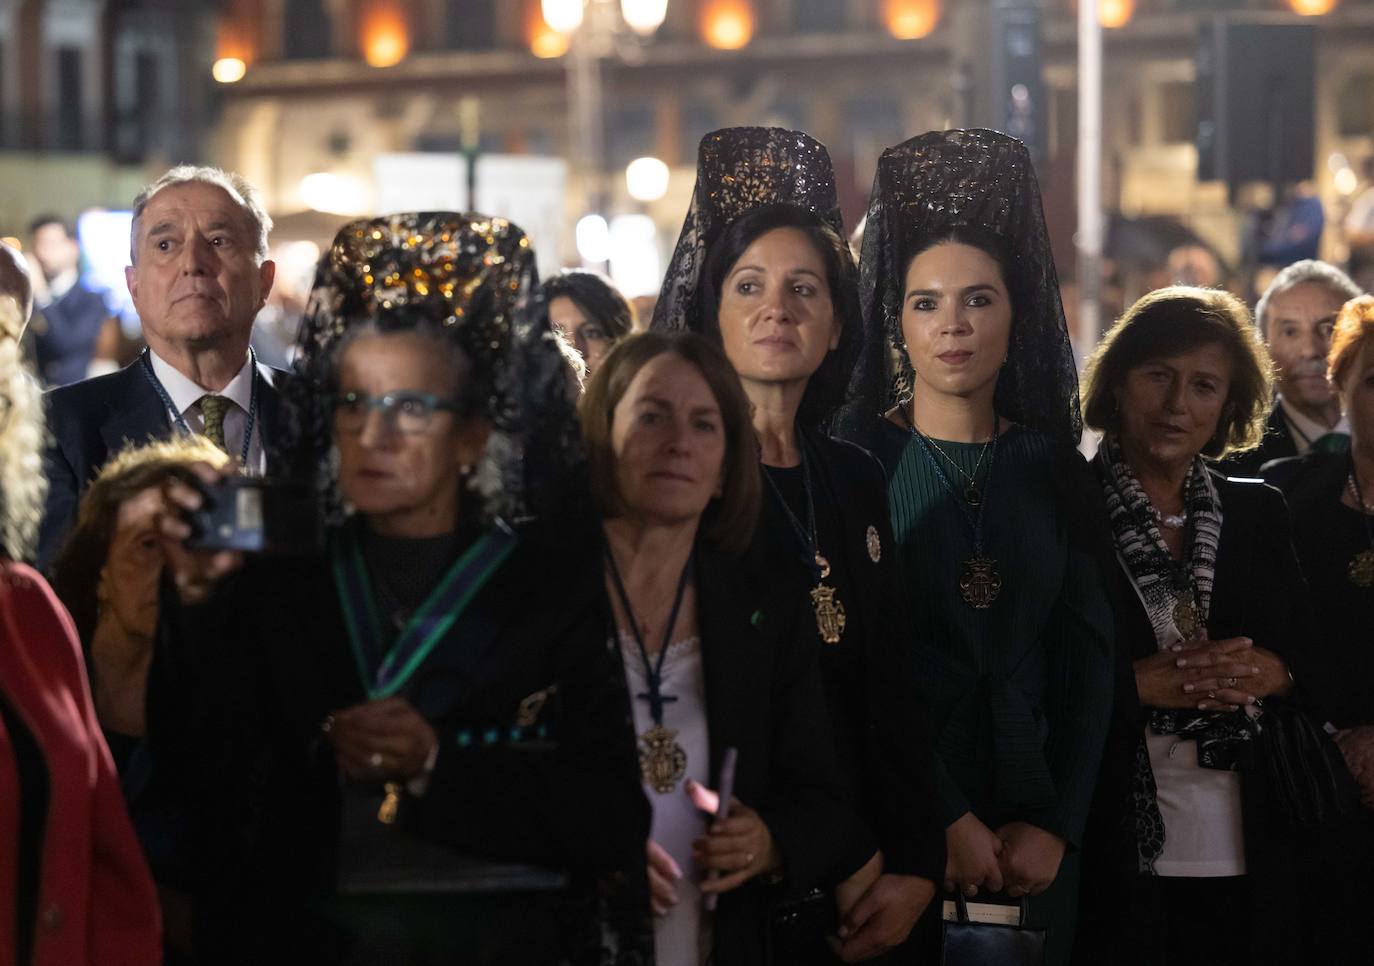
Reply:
x=255 y=515
x=726 y=787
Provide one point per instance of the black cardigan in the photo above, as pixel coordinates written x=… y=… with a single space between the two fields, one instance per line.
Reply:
x=1299 y=880
x=1338 y=672
x=240 y=685
x=884 y=740
x=764 y=697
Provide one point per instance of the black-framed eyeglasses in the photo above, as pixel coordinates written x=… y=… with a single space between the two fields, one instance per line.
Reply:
x=405 y=412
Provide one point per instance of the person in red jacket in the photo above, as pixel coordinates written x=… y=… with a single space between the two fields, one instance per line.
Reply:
x=74 y=887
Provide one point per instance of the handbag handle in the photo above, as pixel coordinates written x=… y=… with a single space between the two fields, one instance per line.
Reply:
x=961 y=906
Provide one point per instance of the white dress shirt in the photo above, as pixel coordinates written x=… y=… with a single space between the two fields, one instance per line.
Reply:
x=185 y=396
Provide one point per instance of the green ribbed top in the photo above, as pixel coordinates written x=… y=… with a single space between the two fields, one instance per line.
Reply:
x=997 y=681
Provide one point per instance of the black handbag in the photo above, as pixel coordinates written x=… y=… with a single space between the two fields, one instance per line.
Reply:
x=384 y=858
x=1308 y=777
x=802 y=924
x=968 y=943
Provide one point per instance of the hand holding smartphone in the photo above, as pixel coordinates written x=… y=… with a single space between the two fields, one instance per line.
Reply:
x=727 y=792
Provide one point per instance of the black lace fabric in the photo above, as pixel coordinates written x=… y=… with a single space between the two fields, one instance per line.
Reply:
x=740 y=169
x=925 y=187
x=474 y=277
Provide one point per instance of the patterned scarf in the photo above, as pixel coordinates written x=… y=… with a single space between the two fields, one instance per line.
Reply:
x=1162 y=583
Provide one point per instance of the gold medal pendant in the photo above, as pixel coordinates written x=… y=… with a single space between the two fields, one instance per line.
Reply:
x=391 y=804
x=980 y=583
x=1361 y=569
x=829 y=613
x=662 y=761
x=1186 y=617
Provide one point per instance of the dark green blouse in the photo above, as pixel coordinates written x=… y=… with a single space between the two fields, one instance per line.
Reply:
x=1020 y=692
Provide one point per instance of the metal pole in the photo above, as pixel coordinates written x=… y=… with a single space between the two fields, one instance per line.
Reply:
x=1089 y=177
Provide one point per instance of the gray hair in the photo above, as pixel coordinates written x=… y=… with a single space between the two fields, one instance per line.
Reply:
x=1307 y=270
x=235 y=185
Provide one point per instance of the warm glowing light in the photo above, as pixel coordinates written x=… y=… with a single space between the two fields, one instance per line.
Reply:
x=1312 y=8
x=335 y=194
x=644 y=16
x=727 y=24
x=229 y=70
x=1115 y=13
x=385 y=33
x=646 y=179
x=1346 y=181
x=911 y=19
x=548 y=43
x=562 y=15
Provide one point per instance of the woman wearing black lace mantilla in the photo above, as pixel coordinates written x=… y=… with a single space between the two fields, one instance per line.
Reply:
x=761 y=269
x=387 y=754
x=966 y=391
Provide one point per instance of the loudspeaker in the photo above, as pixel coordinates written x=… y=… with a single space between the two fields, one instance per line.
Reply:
x=1255 y=99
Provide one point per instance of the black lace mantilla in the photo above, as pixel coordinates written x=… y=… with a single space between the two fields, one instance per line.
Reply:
x=474 y=277
x=924 y=188
x=740 y=169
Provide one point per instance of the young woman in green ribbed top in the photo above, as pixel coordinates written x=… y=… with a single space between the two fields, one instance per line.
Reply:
x=1002 y=565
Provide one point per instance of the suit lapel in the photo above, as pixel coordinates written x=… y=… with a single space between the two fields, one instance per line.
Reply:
x=272 y=412
x=134 y=413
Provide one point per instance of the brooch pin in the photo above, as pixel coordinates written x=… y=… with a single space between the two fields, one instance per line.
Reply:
x=875 y=546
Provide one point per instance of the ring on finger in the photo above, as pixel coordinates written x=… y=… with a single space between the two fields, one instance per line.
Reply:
x=1212 y=695
x=1230 y=682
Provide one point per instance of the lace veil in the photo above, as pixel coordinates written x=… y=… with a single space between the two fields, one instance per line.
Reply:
x=741 y=170
x=473 y=276
x=924 y=188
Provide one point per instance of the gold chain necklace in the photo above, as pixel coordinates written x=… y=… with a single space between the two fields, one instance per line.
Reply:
x=973 y=496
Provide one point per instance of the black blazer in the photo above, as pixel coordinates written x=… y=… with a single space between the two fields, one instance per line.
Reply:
x=884 y=740
x=1338 y=671
x=764 y=696
x=1277 y=444
x=237 y=693
x=91 y=421
x=1260 y=594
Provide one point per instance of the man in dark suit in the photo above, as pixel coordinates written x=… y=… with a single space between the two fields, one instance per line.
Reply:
x=1295 y=316
x=74 y=313
x=198 y=277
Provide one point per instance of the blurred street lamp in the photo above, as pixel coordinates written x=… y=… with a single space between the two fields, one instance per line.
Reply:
x=1312 y=8
x=229 y=70
x=565 y=16
x=644 y=16
x=385 y=33
x=646 y=179
x=593 y=239
x=911 y=19
x=547 y=43
x=727 y=24
x=1115 y=13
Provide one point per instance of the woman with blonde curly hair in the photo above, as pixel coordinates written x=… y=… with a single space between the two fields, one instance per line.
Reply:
x=76 y=889
x=1191 y=818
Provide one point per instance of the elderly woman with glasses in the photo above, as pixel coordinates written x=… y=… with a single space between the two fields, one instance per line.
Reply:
x=390 y=755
